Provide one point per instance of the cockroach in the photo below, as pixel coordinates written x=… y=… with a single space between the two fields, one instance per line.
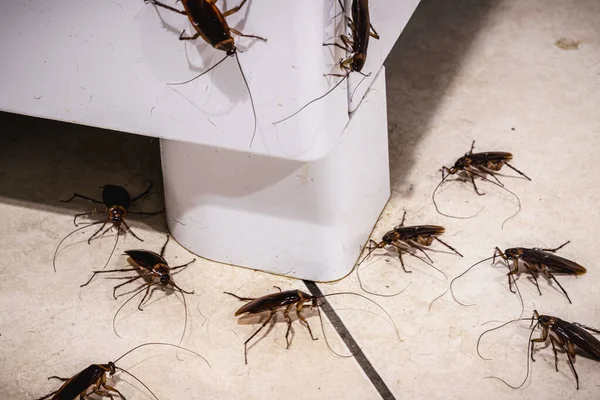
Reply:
x=155 y=270
x=564 y=335
x=210 y=24
x=402 y=238
x=362 y=29
x=276 y=301
x=480 y=165
x=94 y=378
x=116 y=201
x=536 y=261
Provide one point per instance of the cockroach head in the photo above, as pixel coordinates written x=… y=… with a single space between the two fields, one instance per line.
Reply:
x=228 y=46
x=358 y=62
x=113 y=368
x=389 y=237
x=515 y=252
x=117 y=213
x=546 y=320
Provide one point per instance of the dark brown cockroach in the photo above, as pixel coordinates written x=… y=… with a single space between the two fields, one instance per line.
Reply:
x=155 y=270
x=210 y=24
x=357 y=46
x=92 y=380
x=116 y=201
x=537 y=261
x=564 y=335
x=480 y=165
x=275 y=301
x=402 y=238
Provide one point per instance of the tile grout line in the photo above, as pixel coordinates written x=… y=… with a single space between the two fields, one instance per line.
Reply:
x=348 y=339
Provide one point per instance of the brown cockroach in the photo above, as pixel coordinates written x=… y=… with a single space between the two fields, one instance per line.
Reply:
x=276 y=301
x=536 y=261
x=210 y=24
x=564 y=335
x=357 y=46
x=94 y=378
x=116 y=201
x=402 y=238
x=155 y=270
x=480 y=165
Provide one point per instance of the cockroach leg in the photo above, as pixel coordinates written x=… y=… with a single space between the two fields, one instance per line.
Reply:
x=373 y=34
x=447 y=245
x=548 y=273
x=144 y=298
x=303 y=319
x=286 y=315
x=399 y=250
x=162 y=250
x=552 y=339
x=516 y=170
x=240 y=298
x=556 y=249
x=104 y=272
x=416 y=246
x=75 y=195
x=182 y=266
x=474 y=185
x=181 y=37
x=255 y=333
x=85 y=213
x=146 y=213
x=246 y=35
x=143 y=194
x=158 y=3
x=130 y=279
x=130 y=231
x=234 y=9
x=97 y=232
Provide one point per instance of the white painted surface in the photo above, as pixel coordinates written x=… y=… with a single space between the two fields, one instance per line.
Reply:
x=305 y=220
x=107 y=64
x=388 y=17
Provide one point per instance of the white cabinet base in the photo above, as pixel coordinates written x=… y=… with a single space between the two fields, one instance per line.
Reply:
x=306 y=220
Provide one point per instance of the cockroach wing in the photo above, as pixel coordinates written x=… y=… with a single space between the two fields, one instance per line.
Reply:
x=72 y=388
x=113 y=195
x=145 y=258
x=579 y=336
x=553 y=261
x=269 y=302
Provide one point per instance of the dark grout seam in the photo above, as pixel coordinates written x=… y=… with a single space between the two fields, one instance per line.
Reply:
x=348 y=339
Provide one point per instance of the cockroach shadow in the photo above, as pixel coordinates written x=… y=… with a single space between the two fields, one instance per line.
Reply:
x=116 y=202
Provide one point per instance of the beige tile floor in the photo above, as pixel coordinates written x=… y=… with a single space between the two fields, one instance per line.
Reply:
x=488 y=71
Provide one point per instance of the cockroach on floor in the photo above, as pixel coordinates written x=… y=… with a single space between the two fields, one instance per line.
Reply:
x=210 y=24
x=154 y=269
x=94 y=378
x=116 y=201
x=564 y=335
x=357 y=46
x=276 y=301
x=402 y=238
x=536 y=261
x=480 y=165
